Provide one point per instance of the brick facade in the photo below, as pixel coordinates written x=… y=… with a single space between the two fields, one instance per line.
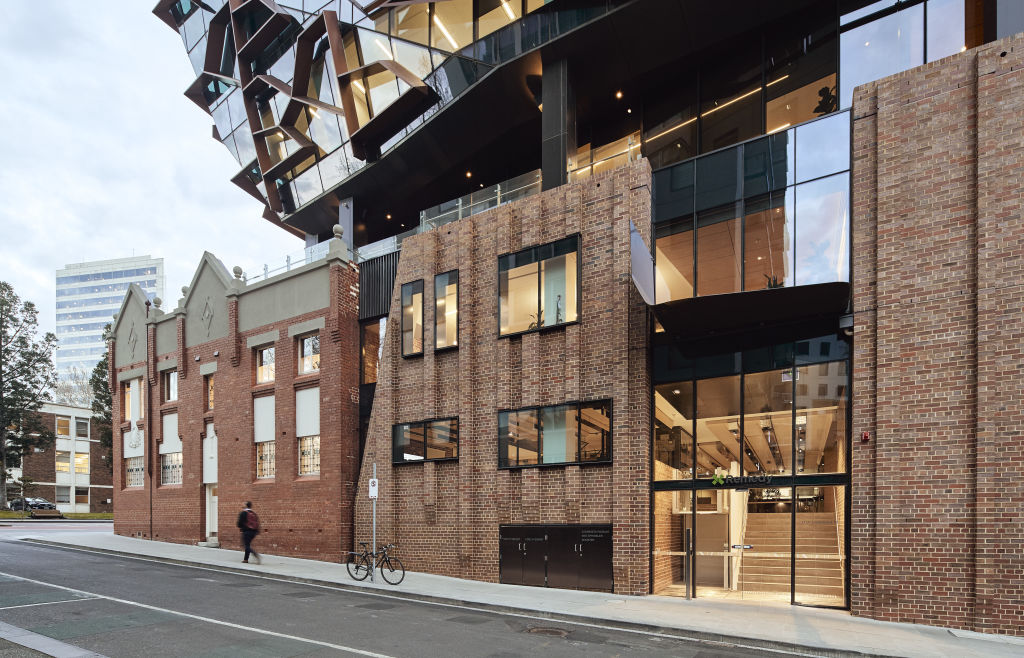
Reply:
x=445 y=515
x=938 y=160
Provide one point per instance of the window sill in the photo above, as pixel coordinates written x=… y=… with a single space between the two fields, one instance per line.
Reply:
x=417 y=355
x=603 y=462
x=314 y=477
x=539 y=330
x=449 y=348
x=170 y=486
x=263 y=481
x=424 y=461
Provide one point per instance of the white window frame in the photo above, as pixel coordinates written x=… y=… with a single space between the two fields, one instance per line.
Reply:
x=57 y=463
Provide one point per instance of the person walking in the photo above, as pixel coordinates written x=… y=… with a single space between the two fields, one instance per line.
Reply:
x=249 y=524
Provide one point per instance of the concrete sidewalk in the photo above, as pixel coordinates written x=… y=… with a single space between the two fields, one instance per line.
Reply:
x=774 y=626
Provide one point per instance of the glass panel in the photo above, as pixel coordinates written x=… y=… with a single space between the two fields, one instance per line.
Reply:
x=372 y=349
x=821 y=433
x=558 y=289
x=880 y=48
x=768 y=422
x=383 y=88
x=823 y=147
x=453 y=25
x=764 y=568
x=518 y=438
x=946 y=28
x=518 y=290
x=559 y=434
x=446 y=311
x=309 y=455
x=670 y=133
x=82 y=429
x=62 y=495
x=309 y=354
x=265 y=459
x=442 y=439
x=412 y=22
x=672 y=519
x=823 y=226
x=170 y=386
x=718 y=429
x=673 y=431
x=63 y=426
x=673 y=250
x=731 y=96
x=674 y=192
x=719 y=260
x=801 y=70
x=265 y=365
x=63 y=462
x=413 y=58
x=595 y=431
x=412 y=318
x=495 y=14
x=407 y=442
x=81 y=462
x=717 y=181
x=209 y=392
x=820 y=546
x=768 y=245
x=713 y=560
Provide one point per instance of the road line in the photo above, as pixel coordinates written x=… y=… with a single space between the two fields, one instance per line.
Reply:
x=43 y=643
x=341 y=588
x=32 y=605
x=339 y=647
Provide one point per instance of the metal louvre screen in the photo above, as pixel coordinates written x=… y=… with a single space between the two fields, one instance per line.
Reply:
x=376 y=283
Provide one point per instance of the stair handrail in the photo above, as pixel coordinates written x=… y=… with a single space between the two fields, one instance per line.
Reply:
x=835 y=517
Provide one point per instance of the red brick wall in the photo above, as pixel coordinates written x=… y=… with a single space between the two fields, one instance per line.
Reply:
x=938 y=245
x=445 y=516
x=302 y=517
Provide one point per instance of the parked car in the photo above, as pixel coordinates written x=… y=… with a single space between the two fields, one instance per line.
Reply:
x=19 y=504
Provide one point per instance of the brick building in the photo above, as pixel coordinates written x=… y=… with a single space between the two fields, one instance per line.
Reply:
x=729 y=316
x=75 y=472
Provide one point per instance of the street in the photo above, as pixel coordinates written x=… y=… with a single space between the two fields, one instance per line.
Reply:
x=129 y=607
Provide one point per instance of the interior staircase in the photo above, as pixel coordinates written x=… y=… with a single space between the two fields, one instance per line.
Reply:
x=770 y=533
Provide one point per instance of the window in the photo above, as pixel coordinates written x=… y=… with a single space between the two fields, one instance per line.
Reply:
x=208 y=385
x=62 y=495
x=169 y=383
x=126 y=400
x=446 y=310
x=562 y=434
x=425 y=441
x=63 y=464
x=82 y=495
x=134 y=470
x=82 y=429
x=309 y=455
x=265 y=458
x=132 y=400
x=412 y=318
x=170 y=468
x=309 y=354
x=537 y=287
x=63 y=426
x=81 y=462
x=264 y=365
x=372 y=348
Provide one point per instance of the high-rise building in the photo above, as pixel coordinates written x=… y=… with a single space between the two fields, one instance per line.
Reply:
x=713 y=299
x=88 y=294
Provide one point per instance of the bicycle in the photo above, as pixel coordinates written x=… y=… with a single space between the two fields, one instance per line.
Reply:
x=360 y=565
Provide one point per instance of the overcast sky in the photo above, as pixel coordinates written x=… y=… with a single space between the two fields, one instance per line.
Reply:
x=102 y=156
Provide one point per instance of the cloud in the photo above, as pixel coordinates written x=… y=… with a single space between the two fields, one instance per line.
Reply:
x=104 y=157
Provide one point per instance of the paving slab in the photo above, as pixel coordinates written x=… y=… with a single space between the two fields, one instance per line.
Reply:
x=813 y=631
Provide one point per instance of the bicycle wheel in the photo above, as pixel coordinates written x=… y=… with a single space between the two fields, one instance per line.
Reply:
x=358 y=567
x=392 y=569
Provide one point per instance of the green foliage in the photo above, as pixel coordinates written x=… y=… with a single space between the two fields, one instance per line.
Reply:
x=26 y=376
x=102 y=406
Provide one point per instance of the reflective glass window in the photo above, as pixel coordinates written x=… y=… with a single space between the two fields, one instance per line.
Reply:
x=673 y=431
x=718 y=429
x=441 y=439
x=412 y=57
x=673 y=272
x=767 y=244
x=538 y=287
x=801 y=70
x=428 y=440
x=412 y=318
x=822 y=230
x=63 y=426
x=718 y=180
x=412 y=22
x=719 y=251
x=170 y=385
x=670 y=124
x=495 y=14
x=518 y=438
x=446 y=309
x=264 y=365
x=768 y=422
x=309 y=354
x=731 y=96
x=883 y=47
x=560 y=434
x=820 y=429
x=595 y=435
x=452 y=25
x=946 y=28
x=823 y=147
x=63 y=462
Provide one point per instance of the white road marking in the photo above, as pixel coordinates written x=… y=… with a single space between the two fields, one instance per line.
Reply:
x=32 y=605
x=353 y=589
x=339 y=647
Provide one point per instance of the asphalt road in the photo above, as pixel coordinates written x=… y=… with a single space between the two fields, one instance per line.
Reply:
x=125 y=607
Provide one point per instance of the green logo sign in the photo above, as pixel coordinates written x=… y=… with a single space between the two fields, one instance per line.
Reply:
x=718 y=479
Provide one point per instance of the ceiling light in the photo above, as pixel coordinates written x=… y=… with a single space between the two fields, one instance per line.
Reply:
x=469 y=174
x=618 y=94
x=508 y=10
x=388 y=216
x=445 y=32
x=629 y=110
x=782 y=127
x=675 y=391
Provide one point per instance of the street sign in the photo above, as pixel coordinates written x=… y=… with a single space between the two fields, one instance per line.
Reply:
x=373 y=487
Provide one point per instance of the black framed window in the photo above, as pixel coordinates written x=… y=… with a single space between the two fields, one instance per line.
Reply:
x=446 y=310
x=571 y=433
x=539 y=287
x=412 y=318
x=429 y=440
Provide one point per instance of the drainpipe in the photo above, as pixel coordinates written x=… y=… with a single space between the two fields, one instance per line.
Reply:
x=144 y=400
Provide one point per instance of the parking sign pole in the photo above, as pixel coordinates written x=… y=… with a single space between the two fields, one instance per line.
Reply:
x=373 y=546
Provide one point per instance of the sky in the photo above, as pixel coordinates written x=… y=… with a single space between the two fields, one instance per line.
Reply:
x=102 y=156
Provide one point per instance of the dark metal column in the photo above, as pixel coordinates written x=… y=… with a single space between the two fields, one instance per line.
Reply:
x=558 y=123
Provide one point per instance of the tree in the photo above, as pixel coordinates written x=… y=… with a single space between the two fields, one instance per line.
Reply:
x=26 y=375
x=74 y=387
x=102 y=406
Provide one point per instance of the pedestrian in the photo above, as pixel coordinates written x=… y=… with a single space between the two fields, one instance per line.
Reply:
x=249 y=524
